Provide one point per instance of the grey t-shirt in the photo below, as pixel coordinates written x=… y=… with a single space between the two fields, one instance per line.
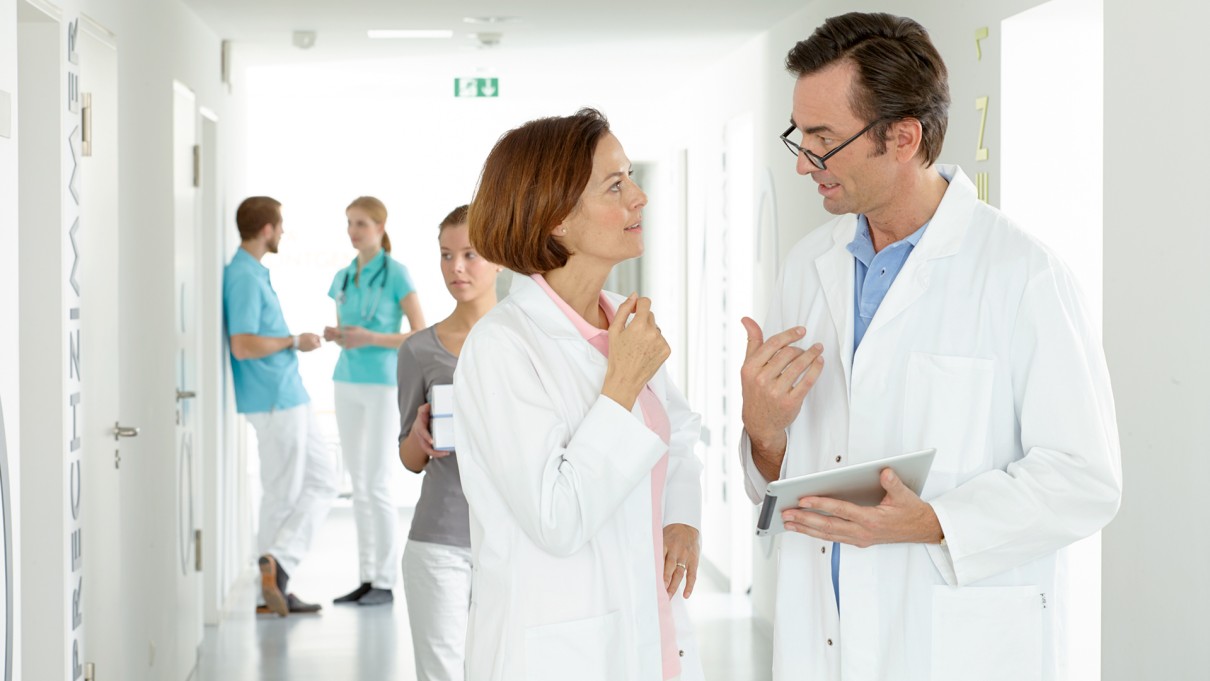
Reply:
x=441 y=515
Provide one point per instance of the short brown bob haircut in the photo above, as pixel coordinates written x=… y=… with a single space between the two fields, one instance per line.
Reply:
x=532 y=180
x=254 y=213
x=900 y=74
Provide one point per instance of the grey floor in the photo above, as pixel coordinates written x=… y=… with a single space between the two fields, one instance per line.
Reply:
x=351 y=643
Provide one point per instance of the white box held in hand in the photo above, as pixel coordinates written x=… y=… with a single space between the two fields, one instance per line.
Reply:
x=441 y=400
x=441 y=417
x=442 y=429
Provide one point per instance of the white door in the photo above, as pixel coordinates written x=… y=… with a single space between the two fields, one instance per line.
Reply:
x=186 y=177
x=101 y=498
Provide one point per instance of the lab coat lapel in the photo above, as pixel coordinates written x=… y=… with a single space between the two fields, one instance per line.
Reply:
x=835 y=268
x=550 y=320
x=942 y=239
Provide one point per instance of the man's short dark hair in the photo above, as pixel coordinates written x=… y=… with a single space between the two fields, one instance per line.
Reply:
x=254 y=213
x=900 y=74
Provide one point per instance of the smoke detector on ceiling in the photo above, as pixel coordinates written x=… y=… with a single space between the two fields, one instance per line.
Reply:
x=304 y=40
x=488 y=39
x=491 y=20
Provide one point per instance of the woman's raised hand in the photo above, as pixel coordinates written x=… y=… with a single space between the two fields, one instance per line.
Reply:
x=637 y=349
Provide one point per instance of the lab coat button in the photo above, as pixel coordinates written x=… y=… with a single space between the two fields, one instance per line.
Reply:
x=829 y=641
x=681 y=653
x=838 y=459
x=823 y=549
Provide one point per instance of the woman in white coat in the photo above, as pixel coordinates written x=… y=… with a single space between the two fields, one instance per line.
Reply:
x=575 y=449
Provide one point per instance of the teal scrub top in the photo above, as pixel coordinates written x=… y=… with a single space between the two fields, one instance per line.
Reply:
x=250 y=306
x=371 y=302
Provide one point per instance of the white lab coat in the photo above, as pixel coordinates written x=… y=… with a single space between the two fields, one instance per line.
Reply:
x=558 y=480
x=984 y=350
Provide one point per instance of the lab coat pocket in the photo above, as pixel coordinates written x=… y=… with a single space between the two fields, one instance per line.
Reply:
x=587 y=650
x=947 y=401
x=987 y=633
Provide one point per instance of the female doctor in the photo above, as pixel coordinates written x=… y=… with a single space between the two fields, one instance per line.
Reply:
x=575 y=449
x=372 y=296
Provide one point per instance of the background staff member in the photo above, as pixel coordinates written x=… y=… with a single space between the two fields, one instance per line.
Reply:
x=296 y=472
x=372 y=295
x=437 y=558
x=921 y=317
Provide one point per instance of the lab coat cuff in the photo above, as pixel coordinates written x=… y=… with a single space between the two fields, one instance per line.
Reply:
x=754 y=483
x=683 y=504
x=607 y=421
x=940 y=553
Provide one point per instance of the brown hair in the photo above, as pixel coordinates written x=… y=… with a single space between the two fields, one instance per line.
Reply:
x=456 y=217
x=254 y=213
x=532 y=180
x=900 y=74
x=377 y=212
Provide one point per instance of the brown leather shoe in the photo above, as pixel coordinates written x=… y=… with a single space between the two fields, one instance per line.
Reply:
x=275 y=601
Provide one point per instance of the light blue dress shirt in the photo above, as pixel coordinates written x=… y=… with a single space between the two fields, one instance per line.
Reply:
x=873 y=275
x=370 y=301
x=250 y=306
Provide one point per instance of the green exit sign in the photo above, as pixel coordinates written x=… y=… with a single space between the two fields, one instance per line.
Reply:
x=476 y=87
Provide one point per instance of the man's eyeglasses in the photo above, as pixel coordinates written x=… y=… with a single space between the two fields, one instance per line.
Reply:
x=815 y=159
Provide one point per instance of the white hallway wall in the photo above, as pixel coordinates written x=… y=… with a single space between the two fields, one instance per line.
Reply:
x=9 y=280
x=1157 y=330
x=158 y=41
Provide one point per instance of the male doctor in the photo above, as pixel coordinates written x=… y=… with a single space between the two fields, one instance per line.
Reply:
x=920 y=317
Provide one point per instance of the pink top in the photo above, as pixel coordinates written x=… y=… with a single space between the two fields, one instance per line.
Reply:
x=656 y=419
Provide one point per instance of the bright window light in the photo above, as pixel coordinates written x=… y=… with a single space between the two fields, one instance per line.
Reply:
x=386 y=34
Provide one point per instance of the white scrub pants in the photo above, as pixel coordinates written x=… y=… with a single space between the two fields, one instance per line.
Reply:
x=298 y=477
x=367 y=416
x=437 y=586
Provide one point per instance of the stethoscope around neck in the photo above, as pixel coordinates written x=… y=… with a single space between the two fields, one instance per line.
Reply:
x=381 y=277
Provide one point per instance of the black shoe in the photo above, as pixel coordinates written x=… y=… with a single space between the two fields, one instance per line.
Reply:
x=354 y=595
x=298 y=605
x=270 y=580
x=376 y=597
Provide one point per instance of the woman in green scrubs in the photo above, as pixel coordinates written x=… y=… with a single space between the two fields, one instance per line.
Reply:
x=373 y=295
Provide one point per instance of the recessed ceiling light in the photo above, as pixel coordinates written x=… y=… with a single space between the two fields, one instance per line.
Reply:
x=491 y=20
x=383 y=34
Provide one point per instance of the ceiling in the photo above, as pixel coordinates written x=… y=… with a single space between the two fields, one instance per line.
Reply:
x=551 y=30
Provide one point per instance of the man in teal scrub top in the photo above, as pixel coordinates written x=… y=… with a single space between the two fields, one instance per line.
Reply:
x=297 y=474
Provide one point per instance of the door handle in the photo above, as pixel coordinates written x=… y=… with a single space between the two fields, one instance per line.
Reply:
x=185 y=395
x=120 y=430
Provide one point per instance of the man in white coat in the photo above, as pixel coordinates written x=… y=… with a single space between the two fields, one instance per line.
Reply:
x=920 y=317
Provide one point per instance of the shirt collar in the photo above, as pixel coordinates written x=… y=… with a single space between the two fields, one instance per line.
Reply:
x=862 y=247
x=371 y=266
x=587 y=331
x=246 y=259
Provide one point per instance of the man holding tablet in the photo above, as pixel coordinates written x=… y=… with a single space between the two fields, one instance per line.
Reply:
x=920 y=318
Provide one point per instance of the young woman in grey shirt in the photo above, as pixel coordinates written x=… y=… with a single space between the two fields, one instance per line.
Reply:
x=437 y=557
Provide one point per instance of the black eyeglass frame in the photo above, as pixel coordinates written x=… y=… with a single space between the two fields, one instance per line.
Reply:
x=821 y=162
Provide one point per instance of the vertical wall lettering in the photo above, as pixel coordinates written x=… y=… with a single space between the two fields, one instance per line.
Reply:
x=982 y=105
x=75 y=478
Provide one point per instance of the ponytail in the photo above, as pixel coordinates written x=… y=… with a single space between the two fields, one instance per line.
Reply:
x=386 y=242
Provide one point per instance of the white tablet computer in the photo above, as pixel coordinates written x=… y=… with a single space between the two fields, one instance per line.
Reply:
x=858 y=484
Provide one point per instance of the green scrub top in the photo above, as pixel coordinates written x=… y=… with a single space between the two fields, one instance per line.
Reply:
x=371 y=302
